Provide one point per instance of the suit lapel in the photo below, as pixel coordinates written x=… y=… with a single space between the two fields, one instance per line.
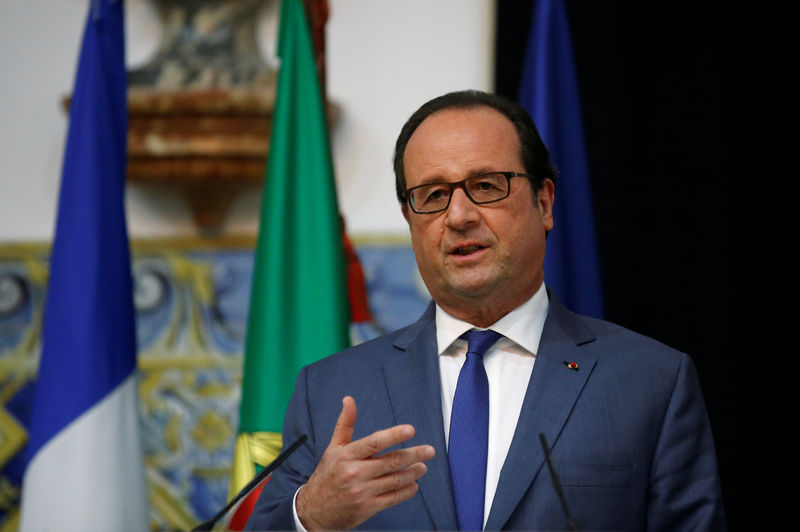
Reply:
x=413 y=382
x=552 y=392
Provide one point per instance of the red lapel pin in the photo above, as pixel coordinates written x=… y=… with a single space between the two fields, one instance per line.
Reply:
x=571 y=365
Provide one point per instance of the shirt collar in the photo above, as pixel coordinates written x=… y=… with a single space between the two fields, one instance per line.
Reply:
x=523 y=325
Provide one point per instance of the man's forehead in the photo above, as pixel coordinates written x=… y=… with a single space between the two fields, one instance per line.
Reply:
x=479 y=136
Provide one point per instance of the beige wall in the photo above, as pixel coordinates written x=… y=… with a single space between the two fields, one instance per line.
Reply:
x=384 y=59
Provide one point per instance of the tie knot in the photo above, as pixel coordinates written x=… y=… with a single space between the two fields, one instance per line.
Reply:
x=479 y=342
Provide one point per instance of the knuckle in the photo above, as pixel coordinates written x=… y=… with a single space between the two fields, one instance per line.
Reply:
x=374 y=443
x=395 y=461
x=355 y=492
x=349 y=473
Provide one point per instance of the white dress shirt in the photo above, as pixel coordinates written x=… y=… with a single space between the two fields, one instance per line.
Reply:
x=508 y=364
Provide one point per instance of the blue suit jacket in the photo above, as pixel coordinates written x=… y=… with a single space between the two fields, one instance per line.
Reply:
x=628 y=429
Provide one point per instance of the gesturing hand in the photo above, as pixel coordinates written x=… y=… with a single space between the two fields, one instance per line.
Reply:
x=351 y=484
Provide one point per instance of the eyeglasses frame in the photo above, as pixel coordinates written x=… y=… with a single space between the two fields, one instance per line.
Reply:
x=461 y=184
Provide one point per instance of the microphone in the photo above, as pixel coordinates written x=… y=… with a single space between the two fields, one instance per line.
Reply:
x=208 y=525
x=572 y=525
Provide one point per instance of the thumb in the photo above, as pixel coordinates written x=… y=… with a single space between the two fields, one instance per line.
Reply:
x=343 y=432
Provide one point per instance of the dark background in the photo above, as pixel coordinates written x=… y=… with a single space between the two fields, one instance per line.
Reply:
x=688 y=135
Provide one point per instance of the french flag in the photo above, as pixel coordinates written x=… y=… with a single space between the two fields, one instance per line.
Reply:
x=85 y=469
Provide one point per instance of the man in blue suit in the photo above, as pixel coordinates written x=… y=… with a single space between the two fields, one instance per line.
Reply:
x=624 y=414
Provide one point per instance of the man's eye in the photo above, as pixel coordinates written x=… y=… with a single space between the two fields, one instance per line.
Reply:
x=484 y=185
x=436 y=194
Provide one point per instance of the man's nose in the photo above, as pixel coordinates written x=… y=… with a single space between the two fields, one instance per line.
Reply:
x=462 y=211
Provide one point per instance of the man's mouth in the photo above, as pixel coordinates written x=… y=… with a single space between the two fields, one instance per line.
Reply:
x=466 y=250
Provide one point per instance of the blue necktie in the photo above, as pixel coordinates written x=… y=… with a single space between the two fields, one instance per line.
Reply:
x=469 y=432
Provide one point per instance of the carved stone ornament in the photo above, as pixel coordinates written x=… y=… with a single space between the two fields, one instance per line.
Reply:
x=200 y=109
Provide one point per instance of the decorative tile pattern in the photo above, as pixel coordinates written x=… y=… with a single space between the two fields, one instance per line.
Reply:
x=191 y=310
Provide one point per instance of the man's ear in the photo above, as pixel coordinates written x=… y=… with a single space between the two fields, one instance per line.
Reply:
x=546 y=197
x=404 y=208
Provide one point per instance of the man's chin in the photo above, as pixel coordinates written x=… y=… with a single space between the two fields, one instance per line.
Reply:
x=472 y=287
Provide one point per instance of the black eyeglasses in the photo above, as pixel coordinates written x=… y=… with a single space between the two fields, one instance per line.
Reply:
x=480 y=189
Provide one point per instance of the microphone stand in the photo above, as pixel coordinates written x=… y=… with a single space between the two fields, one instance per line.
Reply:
x=208 y=525
x=572 y=525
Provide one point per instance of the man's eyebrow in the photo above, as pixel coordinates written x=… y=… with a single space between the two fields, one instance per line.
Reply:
x=438 y=179
x=484 y=171
x=433 y=180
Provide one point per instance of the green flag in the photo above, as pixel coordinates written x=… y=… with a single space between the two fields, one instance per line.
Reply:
x=298 y=306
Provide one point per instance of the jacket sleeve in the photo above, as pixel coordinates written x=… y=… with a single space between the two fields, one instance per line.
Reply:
x=274 y=508
x=684 y=491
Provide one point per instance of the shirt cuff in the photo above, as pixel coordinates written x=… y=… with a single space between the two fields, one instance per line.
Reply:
x=297 y=524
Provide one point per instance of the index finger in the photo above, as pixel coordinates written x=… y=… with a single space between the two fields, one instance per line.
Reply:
x=379 y=441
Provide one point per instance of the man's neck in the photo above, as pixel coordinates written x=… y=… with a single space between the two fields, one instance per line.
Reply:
x=482 y=312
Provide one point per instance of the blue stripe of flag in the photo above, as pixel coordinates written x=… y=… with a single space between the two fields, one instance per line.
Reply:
x=549 y=91
x=89 y=344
